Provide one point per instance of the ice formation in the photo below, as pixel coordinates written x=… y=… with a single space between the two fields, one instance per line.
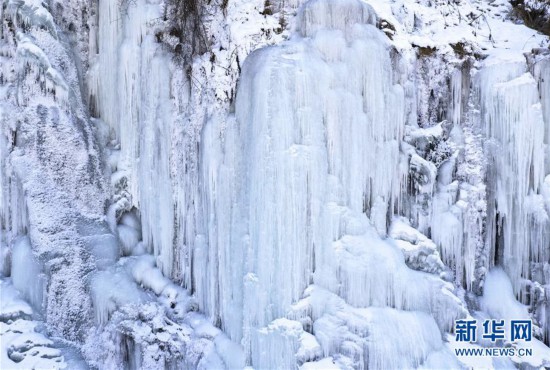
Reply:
x=318 y=184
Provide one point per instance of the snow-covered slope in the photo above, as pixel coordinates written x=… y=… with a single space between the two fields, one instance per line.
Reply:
x=320 y=184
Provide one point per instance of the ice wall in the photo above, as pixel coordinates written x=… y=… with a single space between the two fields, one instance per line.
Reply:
x=287 y=119
x=458 y=208
x=302 y=186
x=511 y=113
x=136 y=108
x=336 y=208
x=248 y=210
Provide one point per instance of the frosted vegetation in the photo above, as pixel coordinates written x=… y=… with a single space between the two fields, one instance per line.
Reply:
x=321 y=184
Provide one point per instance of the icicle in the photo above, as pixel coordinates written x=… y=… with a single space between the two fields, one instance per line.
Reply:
x=541 y=69
x=26 y=273
x=323 y=14
x=277 y=344
x=104 y=83
x=13 y=208
x=455 y=110
x=131 y=84
x=512 y=117
x=298 y=188
x=287 y=168
x=113 y=289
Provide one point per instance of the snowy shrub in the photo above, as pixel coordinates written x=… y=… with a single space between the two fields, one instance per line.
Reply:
x=438 y=152
x=185 y=18
x=534 y=13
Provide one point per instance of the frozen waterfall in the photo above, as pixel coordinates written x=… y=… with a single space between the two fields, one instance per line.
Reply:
x=272 y=185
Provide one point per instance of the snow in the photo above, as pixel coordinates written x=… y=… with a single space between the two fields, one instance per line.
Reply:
x=498 y=290
x=326 y=363
x=31 y=13
x=500 y=303
x=419 y=251
x=23 y=348
x=23 y=343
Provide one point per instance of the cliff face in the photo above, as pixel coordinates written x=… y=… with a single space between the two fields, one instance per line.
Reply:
x=273 y=184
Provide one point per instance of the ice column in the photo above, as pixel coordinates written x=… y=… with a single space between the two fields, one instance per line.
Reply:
x=130 y=84
x=512 y=117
